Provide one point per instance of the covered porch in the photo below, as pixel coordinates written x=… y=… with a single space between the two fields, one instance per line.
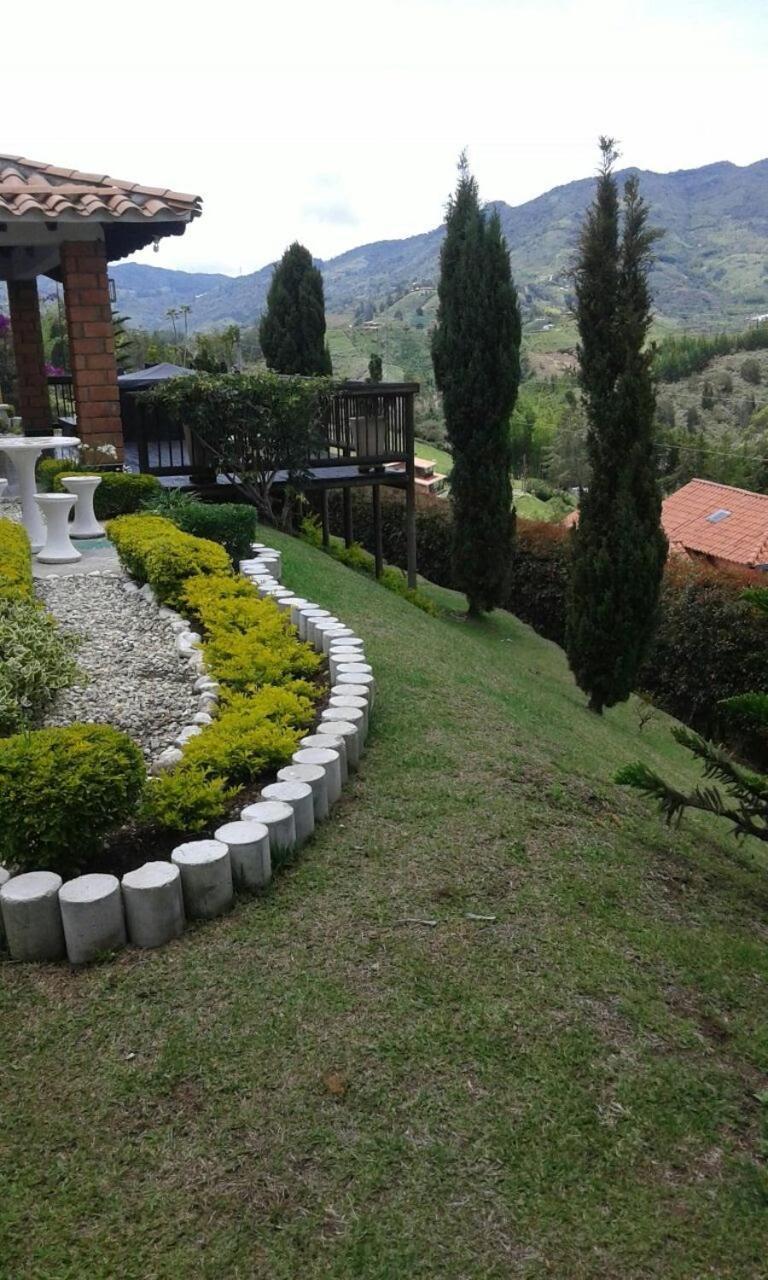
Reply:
x=68 y=226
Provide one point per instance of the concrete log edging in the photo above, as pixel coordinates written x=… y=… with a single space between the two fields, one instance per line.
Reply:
x=82 y=919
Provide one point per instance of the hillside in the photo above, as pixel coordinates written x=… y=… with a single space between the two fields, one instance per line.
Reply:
x=563 y=1076
x=712 y=268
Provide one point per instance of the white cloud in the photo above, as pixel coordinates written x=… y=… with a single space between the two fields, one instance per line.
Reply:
x=292 y=120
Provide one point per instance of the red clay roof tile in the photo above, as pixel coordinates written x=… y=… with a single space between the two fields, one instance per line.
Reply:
x=31 y=189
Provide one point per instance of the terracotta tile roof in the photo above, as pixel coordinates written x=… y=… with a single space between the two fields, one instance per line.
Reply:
x=718 y=520
x=714 y=520
x=45 y=192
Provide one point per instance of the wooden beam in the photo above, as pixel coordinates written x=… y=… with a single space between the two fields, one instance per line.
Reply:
x=348 y=535
x=325 y=517
x=378 y=542
x=410 y=490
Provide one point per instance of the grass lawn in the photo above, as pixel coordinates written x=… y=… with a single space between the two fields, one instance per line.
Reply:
x=315 y=1087
x=432 y=453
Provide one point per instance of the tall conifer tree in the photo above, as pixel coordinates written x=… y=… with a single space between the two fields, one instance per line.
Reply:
x=619 y=547
x=292 y=329
x=476 y=357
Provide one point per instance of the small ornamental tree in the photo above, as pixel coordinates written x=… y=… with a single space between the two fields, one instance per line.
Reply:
x=476 y=357
x=619 y=547
x=375 y=367
x=292 y=330
x=252 y=426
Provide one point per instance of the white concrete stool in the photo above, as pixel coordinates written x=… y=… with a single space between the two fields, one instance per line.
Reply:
x=278 y=818
x=154 y=904
x=306 y=615
x=32 y=917
x=349 y=702
x=298 y=607
x=361 y=681
x=315 y=777
x=206 y=877
x=335 y=742
x=299 y=796
x=84 y=524
x=348 y=732
x=329 y=761
x=55 y=509
x=92 y=915
x=248 y=844
x=6 y=875
x=347 y=715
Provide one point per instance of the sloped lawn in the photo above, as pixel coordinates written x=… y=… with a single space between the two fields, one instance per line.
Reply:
x=316 y=1086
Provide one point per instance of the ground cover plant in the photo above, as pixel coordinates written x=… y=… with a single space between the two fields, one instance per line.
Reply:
x=324 y=1084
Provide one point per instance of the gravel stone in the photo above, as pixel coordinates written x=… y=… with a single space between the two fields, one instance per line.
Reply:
x=135 y=679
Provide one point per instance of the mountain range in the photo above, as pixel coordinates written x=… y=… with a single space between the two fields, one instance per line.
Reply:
x=711 y=265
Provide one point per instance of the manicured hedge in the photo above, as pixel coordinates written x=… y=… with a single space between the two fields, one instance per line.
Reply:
x=61 y=790
x=120 y=492
x=232 y=524
x=153 y=550
x=36 y=661
x=15 y=562
x=709 y=645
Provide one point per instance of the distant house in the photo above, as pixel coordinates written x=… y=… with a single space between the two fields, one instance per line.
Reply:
x=427 y=479
x=714 y=522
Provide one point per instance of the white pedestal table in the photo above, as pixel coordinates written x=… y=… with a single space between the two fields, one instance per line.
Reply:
x=24 y=452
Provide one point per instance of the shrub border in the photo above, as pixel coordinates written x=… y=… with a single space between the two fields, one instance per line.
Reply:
x=266 y=578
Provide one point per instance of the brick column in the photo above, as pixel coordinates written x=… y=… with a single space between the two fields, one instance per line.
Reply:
x=31 y=379
x=91 y=343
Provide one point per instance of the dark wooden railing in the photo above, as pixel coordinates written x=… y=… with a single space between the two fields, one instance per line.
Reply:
x=61 y=396
x=368 y=425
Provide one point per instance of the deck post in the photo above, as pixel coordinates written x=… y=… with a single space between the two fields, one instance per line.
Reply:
x=410 y=490
x=378 y=542
x=325 y=519
x=347 y=496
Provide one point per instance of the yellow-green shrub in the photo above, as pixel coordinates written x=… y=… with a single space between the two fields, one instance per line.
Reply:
x=61 y=790
x=188 y=800
x=153 y=550
x=250 y=643
x=15 y=562
x=240 y=745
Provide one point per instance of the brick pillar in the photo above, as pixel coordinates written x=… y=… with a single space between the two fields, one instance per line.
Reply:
x=91 y=343
x=31 y=379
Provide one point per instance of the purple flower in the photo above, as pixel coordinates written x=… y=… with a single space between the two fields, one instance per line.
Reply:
x=52 y=371
x=5 y=325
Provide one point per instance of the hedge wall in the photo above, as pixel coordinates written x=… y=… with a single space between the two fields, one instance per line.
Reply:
x=709 y=644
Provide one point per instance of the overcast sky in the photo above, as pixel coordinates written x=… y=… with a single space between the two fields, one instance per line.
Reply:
x=339 y=122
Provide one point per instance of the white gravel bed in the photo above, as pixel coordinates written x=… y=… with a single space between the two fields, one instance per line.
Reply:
x=10 y=509
x=136 y=680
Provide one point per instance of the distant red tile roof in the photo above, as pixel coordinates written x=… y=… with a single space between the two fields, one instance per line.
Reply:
x=714 y=520
x=32 y=190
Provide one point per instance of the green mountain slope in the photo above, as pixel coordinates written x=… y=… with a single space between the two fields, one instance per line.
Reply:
x=712 y=265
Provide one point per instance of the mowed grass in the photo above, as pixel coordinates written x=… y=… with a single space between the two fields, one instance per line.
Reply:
x=317 y=1086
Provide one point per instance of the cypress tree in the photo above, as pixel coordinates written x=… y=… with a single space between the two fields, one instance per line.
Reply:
x=619 y=547
x=292 y=329
x=476 y=357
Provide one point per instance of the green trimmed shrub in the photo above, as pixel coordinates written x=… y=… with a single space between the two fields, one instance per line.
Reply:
x=231 y=524
x=36 y=661
x=153 y=550
x=120 y=492
x=61 y=791
x=15 y=562
x=187 y=800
